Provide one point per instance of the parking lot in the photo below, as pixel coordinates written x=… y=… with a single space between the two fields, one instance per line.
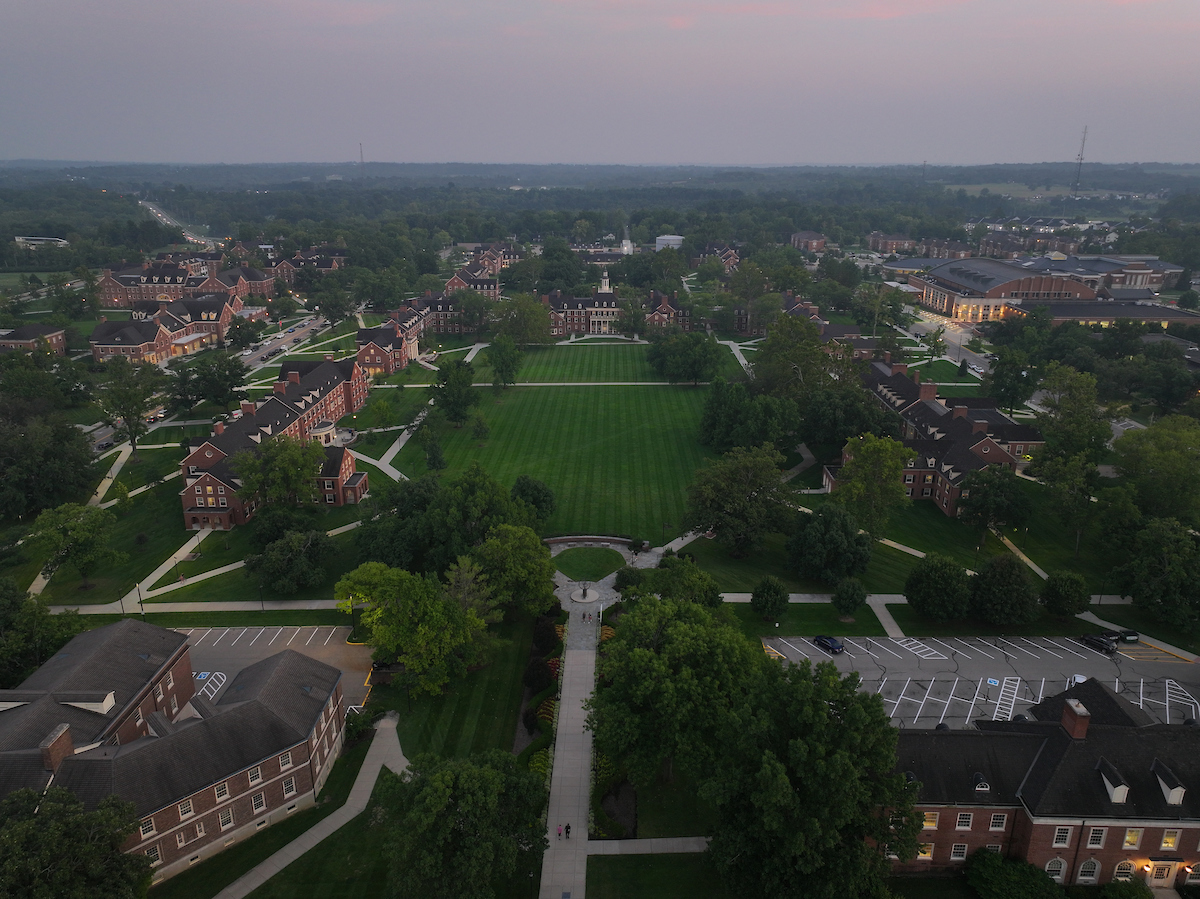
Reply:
x=926 y=682
x=219 y=653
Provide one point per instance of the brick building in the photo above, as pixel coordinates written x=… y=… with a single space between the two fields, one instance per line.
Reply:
x=980 y=290
x=1089 y=789
x=115 y=712
x=935 y=248
x=187 y=325
x=28 y=338
x=809 y=241
x=474 y=277
x=392 y=345
x=169 y=279
x=888 y=244
x=306 y=403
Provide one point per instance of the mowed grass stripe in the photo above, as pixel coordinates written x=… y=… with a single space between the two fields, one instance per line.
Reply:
x=619 y=459
x=604 y=362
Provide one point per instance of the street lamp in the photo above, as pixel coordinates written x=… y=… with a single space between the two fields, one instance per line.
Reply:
x=262 y=605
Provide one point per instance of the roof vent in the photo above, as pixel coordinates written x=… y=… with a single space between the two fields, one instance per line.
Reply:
x=981 y=784
x=910 y=777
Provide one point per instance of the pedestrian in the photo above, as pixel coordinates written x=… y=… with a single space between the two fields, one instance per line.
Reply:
x=568 y=831
x=583 y=616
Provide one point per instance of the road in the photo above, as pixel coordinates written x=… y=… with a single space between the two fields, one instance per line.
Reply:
x=956 y=336
x=287 y=339
x=170 y=222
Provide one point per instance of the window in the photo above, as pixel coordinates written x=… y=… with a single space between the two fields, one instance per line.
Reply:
x=170 y=680
x=222 y=790
x=925 y=850
x=1170 y=839
x=998 y=822
x=185 y=808
x=1096 y=838
x=147 y=827
x=908 y=479
x=259 y=802
x=1124 y=871
x=1088 y=871
x=198 y=490
x=199 y=829
x=925 y=491
x=285 y=761
x=1062 y=836
x=158 y=693
x=1054 y=868
x=137 y=716
x=958 y=852
x=964 y=821
x=174 y=703
x=289 y=786
x=255 y=774
x=329 y=498
x=993 y=847
x=155 y=858
x=220 y=490
x=1133 y=838
x=180 y=839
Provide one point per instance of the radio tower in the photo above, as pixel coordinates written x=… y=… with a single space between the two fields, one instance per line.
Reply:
x=362 y=166
x=1079 y=165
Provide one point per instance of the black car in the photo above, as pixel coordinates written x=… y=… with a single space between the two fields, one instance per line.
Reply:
x=831 y=645
x=1099 y=642
x=1123 y=636
x=263 y=358
x=104 y=445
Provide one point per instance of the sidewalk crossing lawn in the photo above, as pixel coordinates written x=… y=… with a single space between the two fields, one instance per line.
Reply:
x=653 y=877
x=151 y=465
x=619 y=459
x=921 y=525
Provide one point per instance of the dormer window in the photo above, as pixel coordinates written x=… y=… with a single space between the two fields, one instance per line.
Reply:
x=981 y=784
x=1172 y=789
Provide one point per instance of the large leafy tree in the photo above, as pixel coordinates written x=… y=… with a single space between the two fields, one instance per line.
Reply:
x=770 y=598
x=1011 y=381
x=939 y=588
x=1070 y=417
x=537 y=494
x=455 y=395
x=458 y=827
x=393 y=527
x=839 y=412
x=129 y=391
x=460 y=516
x=281 y=472
x=77 y=536
x=828 y=545
x=505 y=358
x=1163 y=574
x=295 y=560
x=798 y=730
x=1072 y=483
x=739 y=497
x=29 y=633
x=412 y=622
x=993 y=498
x=219 y=379
x=1065 y=593
x=518 y=569
x=52 y=846
x=792 y=362
x=732 y=417
x=1002 y=594
x=1162 y=463
x=685 y=356
x=525 y=320
x=44 y=462
x=870 y=484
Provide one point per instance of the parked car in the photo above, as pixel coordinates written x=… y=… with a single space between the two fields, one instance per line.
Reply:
x=831 y=645
x=104 y=445
x=1123 y=636
x=263 y=358
x=297 y=339
x=1099 y=642
x=161 y=416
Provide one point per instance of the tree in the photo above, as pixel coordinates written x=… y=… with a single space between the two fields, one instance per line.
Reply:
x=244 y=332
x=685 y=356
x=738 y=497
x=666 y=682
x=473 y=307
x=836 y=413
x=1163 y=574
x=77 y=536
x=536 y=494
x=992 y=498
x=631 y=321
x=939 y=588
x=36 y=827
x=682 y=580
x=1072 y=485
x=29 y=633
x=1070 y=418
x=460 y=826
x=1010 y=381
x=796 y=731
x=505 y=358
x=393 y=528
x=1189 y=299
x=219 y=377
x=828 y=545
x=294 y=561
x=992 y=876
x=460 y=516
x=769 y=599
x=467 y=585
x=849 y=596
x=870 y=484
x=183 y=389
x=455 y=395
x=44 y=462
x=1162 y=462
x=525 y=320
x=128 y=392
x=282 y=307
x=412 y=622
x=792 y=362
x=1001 y=592
x=517 y=565
x=734 y=418
x=479 y=428
x=435 y=459
x=1064 y=594
x=281 y=472
x=935 y=342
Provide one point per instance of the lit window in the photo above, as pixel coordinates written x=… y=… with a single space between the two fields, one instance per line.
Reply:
x=958 y=852
x=925 y=850
x=964 y=821
x=1133 y=838
x=1170 y=839
x=998 y=822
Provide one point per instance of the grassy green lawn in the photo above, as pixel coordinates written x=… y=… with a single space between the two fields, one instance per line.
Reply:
x=634 y=446
x=1052 y=545
x=87 y=414
x=673 y=810
x=653 y=877
x=915 y=626
x=157 y=515
x=588 y=563
x=477 y=713
x=742 y=575
x=374 y=475
x=805 y=619
x=387 y=407
x=587 y=362
x=922 y=526
x=1143 y=623
x=960 y=390
x=150 y=466
x=941 y=370
x=888 y=570
x=176 y=433
x=376 y=444
x=212 y=875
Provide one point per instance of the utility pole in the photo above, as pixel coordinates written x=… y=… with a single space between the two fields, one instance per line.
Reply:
x=362 y=165
x=1079 y=165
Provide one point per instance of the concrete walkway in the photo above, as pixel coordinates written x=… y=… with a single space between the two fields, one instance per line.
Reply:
x=394 y=473
x=114 y=470
x=139 y=490
x=385 y=750
x=474 y=351
x=736 y=349
x=1034 y=567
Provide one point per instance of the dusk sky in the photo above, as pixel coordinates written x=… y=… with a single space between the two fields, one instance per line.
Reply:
x=759 y=82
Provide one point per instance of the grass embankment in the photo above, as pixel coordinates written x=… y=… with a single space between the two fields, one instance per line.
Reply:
x=150 y=467
x=634 y=446
x=942 y=371
x=1051 y=544
x=914 y=625
x=1147 y=625
x=657 y=876
x=588 y=563
x=805 y=620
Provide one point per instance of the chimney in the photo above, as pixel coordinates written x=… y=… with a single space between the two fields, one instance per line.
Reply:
x=1075 y=719
x=958 y=412
x=916 y=376
x=328 y=358
x=978 y=427
x=928 y=391
x=887 y=358
x=899 y=368
x=280 y=386
x=103 y=318
x=219 y=428
x=56 y=747
x=248 y=407
x=294 y=376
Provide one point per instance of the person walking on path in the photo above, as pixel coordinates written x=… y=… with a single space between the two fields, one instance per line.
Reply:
x=560 y=832
x=568 y=831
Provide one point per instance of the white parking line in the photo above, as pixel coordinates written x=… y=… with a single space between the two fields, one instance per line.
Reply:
x=207 y=631
x=881 y=683
x=1065 y=648
x=261 y=631
x=293 y=637
x=977 y=649
x=946 y=707
x=882 y=645
x=310 y=637
x=900 y=698
x=1042 y=648
x=245 y=630
x=1015 y=646
x=1089 y=649
x=971 y=710
x=919 y=649
x=921 y=707
x=277 y=633
x=797 y=648
x=863 y=648
x=951 y=648
x=219 y=639
x=1041 y=690
x=332 y=631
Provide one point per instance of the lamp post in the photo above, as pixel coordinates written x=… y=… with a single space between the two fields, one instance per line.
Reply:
x=140 y=606
x=262 y=605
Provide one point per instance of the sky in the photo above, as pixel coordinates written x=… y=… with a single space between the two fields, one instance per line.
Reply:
x=708 y=82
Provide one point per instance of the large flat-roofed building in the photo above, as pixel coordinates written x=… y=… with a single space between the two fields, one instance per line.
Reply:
x=979 y=290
